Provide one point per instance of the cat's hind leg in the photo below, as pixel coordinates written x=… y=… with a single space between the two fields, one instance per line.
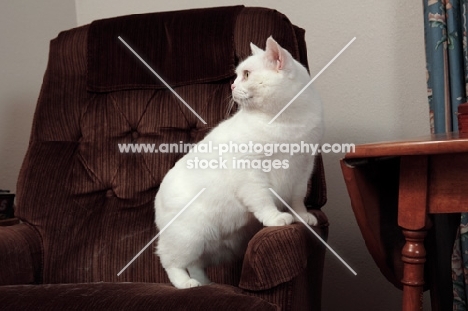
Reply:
x=197 y=272
x=181 y=279
x=177 y=253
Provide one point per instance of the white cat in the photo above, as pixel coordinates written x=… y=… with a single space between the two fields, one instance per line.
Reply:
x=219 y=223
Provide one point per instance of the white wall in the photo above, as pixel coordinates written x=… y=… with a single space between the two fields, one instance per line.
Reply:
x=375 y=91
x=26 y=27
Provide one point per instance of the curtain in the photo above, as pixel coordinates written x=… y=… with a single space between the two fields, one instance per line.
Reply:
x=460 y=266
x=446 y=54
x=445 y=23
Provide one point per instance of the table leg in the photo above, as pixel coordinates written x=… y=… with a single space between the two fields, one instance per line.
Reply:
x=412 y=218
x=413 y=256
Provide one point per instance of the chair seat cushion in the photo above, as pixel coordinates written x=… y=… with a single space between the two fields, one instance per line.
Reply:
x=127 y=296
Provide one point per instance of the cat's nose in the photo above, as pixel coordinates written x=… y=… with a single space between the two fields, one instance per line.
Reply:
x=233 y=86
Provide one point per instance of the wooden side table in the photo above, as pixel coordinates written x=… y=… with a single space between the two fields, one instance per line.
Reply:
x=422 y=176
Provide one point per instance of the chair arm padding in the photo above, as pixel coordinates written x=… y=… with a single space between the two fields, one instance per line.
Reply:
x=276 y=255
x=20 y=255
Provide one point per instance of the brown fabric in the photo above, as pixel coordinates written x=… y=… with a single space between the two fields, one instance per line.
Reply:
x=303 y=292
x=262 y=24
x=20 y=255
x=301 y=46
x=316 y=188
x=276 y=255
x=295 y=295
x=128 y=296
x=169 y=42
x=91 y=205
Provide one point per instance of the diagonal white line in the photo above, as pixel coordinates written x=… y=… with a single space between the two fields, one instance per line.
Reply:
x=313 y=79
x=161 y=231
x=161 y=79
x=315 y=233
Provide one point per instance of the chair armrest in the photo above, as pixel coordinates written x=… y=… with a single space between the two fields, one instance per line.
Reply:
x=20 y=255
x=276 y=255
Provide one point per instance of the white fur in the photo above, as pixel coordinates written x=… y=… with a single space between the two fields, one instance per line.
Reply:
x=218 y=224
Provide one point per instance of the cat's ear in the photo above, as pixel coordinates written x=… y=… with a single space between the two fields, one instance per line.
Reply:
x=276 y=54
x=255 y=49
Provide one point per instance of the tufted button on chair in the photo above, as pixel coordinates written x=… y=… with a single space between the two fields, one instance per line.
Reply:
x=86 y=208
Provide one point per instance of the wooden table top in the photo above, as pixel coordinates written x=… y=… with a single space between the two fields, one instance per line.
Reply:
x=426 y=145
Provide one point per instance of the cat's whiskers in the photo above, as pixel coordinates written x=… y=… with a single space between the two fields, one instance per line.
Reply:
x=229 y=108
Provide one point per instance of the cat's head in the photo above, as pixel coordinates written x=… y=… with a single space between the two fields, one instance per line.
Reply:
x=268 y=78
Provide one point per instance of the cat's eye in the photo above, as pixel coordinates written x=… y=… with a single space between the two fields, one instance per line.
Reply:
x=246 y=74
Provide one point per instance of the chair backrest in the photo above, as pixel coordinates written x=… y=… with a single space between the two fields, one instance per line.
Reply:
x=92 y=204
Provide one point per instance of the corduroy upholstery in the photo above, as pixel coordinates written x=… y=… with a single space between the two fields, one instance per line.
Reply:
x=87 y=209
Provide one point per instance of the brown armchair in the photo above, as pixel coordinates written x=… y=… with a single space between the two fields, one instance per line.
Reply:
x=86 y=208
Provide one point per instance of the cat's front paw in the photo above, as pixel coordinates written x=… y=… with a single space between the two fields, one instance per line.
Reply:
x=281 y=219
x=191 y=283
x=310 y=219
